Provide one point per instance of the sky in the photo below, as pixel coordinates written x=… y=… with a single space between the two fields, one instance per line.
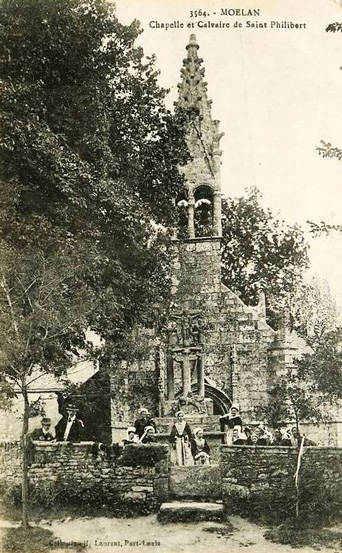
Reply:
x=277 y=93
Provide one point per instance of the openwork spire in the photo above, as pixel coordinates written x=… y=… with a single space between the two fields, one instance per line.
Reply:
x=193 y=89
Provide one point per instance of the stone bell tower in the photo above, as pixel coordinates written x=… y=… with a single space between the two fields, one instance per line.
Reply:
x=197 y=269
x=202 y=173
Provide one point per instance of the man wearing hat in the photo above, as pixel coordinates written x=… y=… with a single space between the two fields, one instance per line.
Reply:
x=70 y=428
x=43 y=434
x=143 y=420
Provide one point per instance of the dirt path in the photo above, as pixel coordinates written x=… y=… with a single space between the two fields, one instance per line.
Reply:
x=143 y=535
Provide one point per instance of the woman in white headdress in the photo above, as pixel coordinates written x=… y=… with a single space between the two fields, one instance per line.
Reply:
x=230 y=420
x=199 y=448
x=148 y=436
x=131 y=437
x=180 y=439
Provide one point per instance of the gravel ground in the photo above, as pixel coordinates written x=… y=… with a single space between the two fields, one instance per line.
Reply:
x=145 y=534
x=142 y=535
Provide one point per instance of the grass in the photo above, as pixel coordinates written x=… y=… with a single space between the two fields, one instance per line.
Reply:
x=32 y=540
x=297 y=536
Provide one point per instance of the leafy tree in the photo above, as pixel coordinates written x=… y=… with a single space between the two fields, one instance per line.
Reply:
x=261 y=252
x=314 y=310
x=43 y=314
x=304 y=393
x=89 y=153
x=291 y=399
x=89 y=169
x=324 y=366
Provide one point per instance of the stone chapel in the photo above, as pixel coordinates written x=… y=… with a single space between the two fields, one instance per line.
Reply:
x=214 y=349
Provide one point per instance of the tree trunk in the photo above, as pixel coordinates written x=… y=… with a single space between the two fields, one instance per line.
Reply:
x=297 y=423
x=25 y=454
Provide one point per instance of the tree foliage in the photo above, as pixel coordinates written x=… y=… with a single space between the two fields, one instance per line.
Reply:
x=292 y=399
x=324 y=366
x=89 y=169
x=261 y=252
x=89 y=154
x=313 y=310
x=307 y=392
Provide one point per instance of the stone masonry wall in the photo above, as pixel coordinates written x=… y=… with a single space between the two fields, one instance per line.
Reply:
x=256 y=479
x=236 y=337
x=61 y=467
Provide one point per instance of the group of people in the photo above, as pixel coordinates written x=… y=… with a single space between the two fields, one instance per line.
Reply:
x=143 y=431
x=231 y=425
x=188 y=448
x=69 y=428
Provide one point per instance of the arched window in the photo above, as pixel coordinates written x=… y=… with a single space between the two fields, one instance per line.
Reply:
x=204 y=204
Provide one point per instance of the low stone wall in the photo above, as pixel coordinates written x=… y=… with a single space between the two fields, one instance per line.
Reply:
x=261 y=478
x=72 y=473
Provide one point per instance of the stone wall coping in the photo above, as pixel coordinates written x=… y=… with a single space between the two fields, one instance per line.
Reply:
x=225 y=447
x=229 y=448
x=44 y=444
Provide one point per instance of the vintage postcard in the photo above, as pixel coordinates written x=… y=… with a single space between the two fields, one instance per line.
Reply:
x=171 y=276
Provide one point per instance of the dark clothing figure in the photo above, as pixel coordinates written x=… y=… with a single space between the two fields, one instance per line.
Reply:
x=230 y=420
x=178 y=432
x=227 y=420
x=148 y=439
x=262 y=441
x=282 y=441
x=39 y=435
x=76 y=430
x=180 y=438
x=248 y=441
x=285 y=442
x=141 y=423
x=239 y=441
x=128 y=442
x=298 y=439
x=198 y=447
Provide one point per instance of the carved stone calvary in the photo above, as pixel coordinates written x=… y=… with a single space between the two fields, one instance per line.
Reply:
x=186 y=348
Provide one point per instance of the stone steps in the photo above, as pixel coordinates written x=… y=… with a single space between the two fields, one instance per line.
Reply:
x=190 y=511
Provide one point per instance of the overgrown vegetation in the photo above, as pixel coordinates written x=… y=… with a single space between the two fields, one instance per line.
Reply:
x=297 y=535
x=70 y=498
x=89 y=160
x=20 y=540
x=144 y=455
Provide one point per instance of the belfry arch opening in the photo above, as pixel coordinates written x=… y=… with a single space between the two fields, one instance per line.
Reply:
x=204 y=210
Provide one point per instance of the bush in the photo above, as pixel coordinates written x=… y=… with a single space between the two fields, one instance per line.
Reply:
x=35 y=539
x=11 y=494
x=297 y=535
x=320 y=499
x=144 y=455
